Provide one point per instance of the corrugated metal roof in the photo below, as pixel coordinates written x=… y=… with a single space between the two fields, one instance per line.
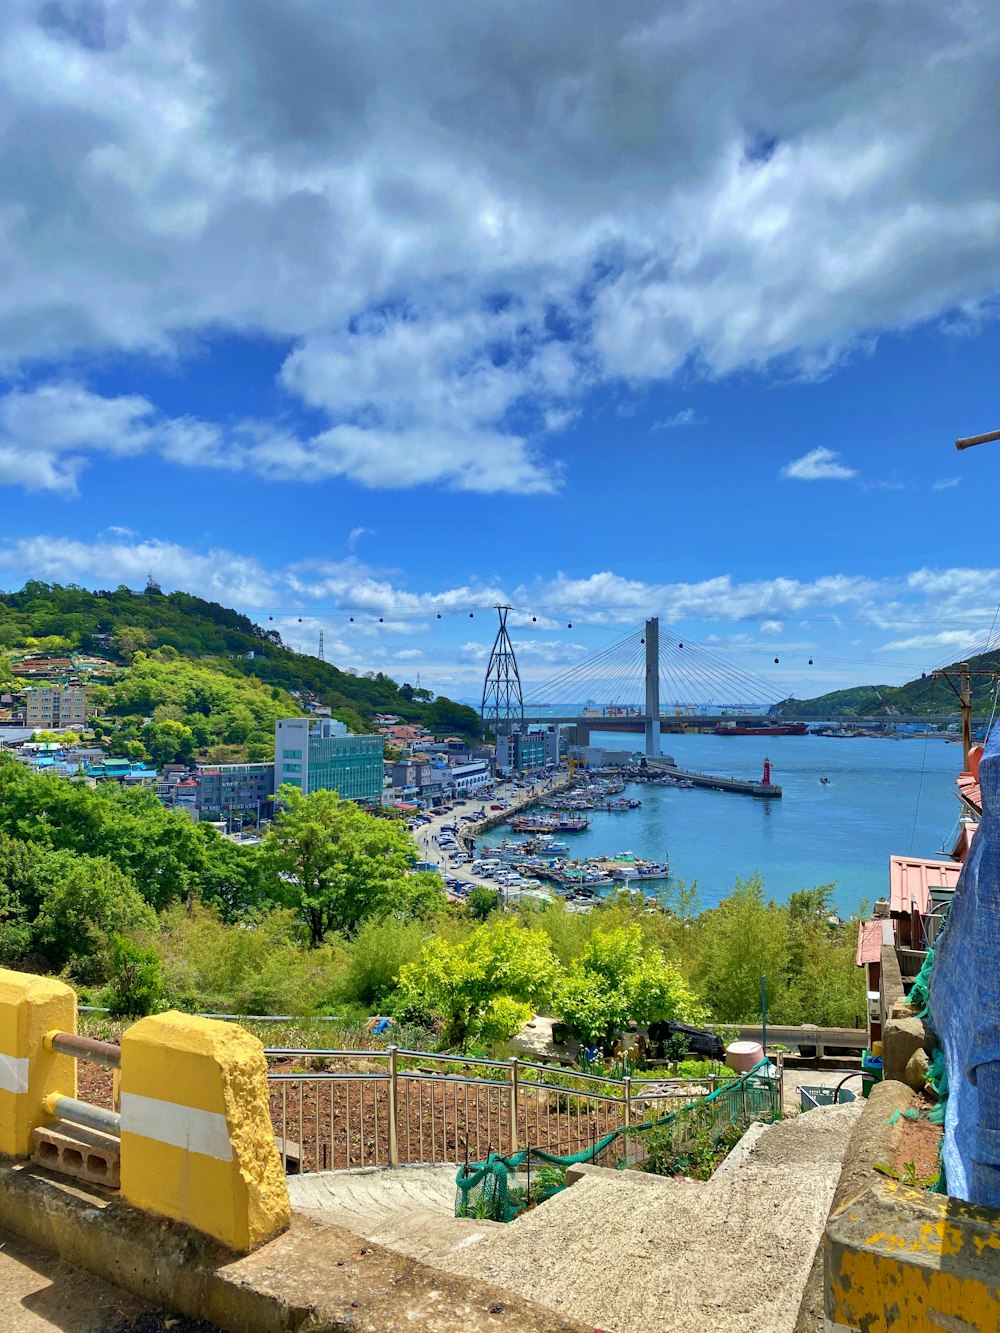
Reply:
x=970 y=791
x=869 y=943
x=911 y=879
x=871 y=937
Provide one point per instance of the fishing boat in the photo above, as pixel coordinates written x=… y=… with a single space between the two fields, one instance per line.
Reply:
x=635 y=870
x=543 y=824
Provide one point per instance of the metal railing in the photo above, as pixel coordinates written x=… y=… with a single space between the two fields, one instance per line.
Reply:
x=398 y=1107
x=103 y=1053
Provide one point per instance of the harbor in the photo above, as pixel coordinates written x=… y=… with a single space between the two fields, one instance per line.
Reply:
x=837 y=832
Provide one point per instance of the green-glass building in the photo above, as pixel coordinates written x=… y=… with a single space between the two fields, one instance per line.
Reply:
x=317 y=755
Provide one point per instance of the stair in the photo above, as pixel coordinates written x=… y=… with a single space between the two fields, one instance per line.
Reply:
x=410 y=1209
x=630 y=1253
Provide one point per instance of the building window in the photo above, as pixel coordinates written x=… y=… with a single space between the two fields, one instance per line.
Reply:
x=293 y=768
x=291 y=754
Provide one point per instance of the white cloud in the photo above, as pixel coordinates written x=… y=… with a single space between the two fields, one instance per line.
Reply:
x=953 y=640
x=686 y=417
x=367 y=617
x=355 y=535
x=818 y=465
x=48 y=433
x=946 y=483
x=287 y=173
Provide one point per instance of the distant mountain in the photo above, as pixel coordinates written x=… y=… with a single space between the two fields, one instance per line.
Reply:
x=51 y=618
x=926 y=695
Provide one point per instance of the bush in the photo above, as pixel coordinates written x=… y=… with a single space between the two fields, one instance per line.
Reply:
x=135 y=987
x=87 y=902
x=377 y=953
x=260 y=966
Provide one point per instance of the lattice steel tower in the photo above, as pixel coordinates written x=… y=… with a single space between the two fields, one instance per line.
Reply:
x=503 y=704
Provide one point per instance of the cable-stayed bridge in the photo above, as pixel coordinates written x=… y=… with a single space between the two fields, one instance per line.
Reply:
x=649 y=681
x=643 y=681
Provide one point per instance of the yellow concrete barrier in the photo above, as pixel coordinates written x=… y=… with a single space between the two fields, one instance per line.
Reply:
x=900 y=1260
x=197 y=1140
x=29 y=1007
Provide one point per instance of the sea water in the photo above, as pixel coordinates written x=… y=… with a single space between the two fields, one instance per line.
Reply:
x=882 y=798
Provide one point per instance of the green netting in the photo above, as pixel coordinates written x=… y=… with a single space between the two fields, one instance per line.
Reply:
x=937 y=1074
x=504 y=1186
x=918 y=991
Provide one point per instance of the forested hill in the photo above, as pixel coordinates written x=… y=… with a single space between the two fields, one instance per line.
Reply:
x=50 y=618
x=927 y=695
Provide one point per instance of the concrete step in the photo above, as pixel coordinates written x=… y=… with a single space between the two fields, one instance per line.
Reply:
x=630 y=1253
x=409 y=1209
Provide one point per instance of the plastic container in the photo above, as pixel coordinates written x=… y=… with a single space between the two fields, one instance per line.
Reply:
x=741 y=1056
x=871 y=1071
x=812 y=1096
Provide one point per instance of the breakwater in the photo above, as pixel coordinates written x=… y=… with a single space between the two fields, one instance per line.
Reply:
x=744 y=786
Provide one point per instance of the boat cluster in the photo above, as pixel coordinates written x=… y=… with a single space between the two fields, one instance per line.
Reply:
x=581 y=881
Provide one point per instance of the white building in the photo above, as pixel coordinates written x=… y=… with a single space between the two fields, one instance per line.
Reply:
x=471 y=776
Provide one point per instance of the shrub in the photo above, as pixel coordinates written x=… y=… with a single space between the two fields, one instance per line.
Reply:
x=135 y=987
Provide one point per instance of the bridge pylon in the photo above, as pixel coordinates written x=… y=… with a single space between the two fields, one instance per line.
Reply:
x=652 y=637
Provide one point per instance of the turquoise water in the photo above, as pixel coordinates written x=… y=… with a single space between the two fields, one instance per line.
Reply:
x=884 y=797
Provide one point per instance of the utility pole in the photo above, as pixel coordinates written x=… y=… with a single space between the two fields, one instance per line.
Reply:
x=963 y=693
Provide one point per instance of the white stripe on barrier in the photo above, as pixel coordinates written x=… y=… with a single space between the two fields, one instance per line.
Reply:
x=13 y=1073
x=203 y=1132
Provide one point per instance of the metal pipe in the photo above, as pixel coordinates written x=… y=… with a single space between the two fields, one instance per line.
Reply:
x=84 y=1048
x=82 y=1113
x=393 y=1109
x=968 y=441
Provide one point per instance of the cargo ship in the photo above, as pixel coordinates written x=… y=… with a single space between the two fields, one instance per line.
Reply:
x=747 y=727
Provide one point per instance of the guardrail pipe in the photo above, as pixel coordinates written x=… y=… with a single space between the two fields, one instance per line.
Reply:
x=514 y=1100
x=82 y=1113
x=84 y=1048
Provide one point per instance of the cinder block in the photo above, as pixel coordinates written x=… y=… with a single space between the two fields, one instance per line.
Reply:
x=85 y=1154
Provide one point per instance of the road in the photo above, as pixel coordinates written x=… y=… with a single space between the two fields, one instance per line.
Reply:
x=424 y=835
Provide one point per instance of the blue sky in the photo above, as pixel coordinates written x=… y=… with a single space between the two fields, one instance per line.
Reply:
x=605 y=311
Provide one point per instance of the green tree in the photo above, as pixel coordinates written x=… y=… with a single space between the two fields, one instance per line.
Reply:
x=168 y=742
x=86 y=902
x=748 y=938
x=335 y=864
x=127 y=640
x=483 y=986
x=482 y=902
x=615 y=981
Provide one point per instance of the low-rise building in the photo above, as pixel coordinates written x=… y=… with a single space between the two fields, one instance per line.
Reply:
x=527 y=751
x=53 y=706
x=227 y=791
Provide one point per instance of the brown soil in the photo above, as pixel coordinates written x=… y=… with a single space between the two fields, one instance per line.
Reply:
x=917 y=1158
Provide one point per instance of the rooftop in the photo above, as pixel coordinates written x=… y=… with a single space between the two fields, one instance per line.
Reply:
x=911 y=880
